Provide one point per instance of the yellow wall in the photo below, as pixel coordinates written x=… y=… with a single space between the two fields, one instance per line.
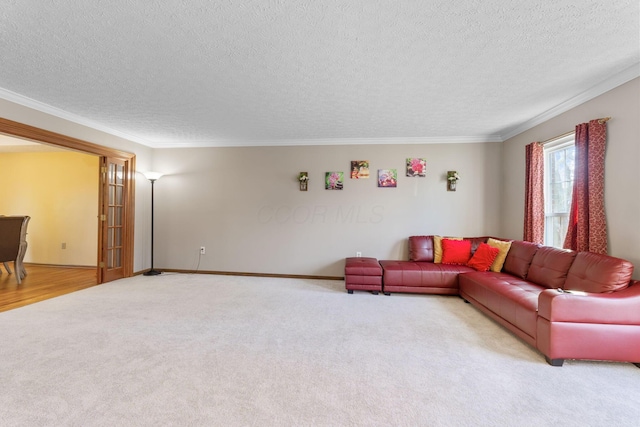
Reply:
x=59 y=191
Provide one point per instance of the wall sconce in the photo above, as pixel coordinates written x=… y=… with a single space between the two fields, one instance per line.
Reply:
x=303 y=178
x=452 y=180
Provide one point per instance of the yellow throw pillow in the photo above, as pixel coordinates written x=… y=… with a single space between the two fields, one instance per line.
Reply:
x=437 y=247
x=502 y=255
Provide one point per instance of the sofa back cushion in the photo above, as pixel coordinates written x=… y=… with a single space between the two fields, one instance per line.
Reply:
x=421 y=248
x=598 y=273
x=519 y=258
x=550 y=266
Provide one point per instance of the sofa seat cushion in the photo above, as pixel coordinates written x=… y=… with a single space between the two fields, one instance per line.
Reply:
x=513 y=299
x=422 y=274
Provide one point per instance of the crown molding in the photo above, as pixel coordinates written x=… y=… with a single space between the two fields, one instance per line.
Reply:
x=65 y=115
x=612 y=82
x=333 y=141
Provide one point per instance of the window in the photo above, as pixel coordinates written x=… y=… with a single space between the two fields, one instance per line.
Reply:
x=559 y=167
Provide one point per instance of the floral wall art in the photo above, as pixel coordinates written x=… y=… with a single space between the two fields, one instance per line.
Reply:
x=416 y=167
x=359 y=169
x=334 y=180
x=388 y=178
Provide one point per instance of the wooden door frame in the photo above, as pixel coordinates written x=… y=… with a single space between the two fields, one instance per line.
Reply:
x=33 y=133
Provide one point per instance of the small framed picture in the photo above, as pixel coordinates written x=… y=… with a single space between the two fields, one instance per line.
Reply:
x=334 y=180
x=388 y=178
x=416 y=167
x=359 y=169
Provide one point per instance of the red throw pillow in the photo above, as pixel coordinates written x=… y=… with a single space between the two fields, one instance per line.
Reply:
x=484 y=257
x=456 y=251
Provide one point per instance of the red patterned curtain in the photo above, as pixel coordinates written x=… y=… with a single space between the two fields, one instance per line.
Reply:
x=534 y=194
x=587 y=229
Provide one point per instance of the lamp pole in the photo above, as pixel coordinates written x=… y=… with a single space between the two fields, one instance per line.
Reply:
x=152 y=177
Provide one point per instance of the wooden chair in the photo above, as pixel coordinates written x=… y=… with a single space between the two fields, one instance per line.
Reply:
x=13 y=243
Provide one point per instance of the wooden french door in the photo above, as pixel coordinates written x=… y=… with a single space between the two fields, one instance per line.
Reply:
x=114 y=211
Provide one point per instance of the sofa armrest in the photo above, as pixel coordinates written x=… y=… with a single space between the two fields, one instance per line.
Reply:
x=620 y=307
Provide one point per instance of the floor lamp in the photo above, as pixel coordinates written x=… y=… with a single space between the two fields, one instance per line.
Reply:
x=153 y=177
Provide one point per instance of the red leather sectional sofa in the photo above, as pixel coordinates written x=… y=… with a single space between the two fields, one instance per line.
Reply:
x=568 y=305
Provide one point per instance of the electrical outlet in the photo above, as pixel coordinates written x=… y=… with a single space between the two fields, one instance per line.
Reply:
x=358 y=254
x=202 y=250
x=64 y=246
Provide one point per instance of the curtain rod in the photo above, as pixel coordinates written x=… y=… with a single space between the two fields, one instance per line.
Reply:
x=601 y=121
x=546 y=141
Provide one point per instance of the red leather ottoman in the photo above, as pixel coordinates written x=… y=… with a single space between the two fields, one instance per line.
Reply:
x=363 y=274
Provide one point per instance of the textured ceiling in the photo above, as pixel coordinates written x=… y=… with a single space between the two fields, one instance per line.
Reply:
x=276 y=72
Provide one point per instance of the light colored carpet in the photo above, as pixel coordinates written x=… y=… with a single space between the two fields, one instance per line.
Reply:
x=203 y=350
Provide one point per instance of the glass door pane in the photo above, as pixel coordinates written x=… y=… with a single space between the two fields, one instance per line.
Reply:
x=115 y=182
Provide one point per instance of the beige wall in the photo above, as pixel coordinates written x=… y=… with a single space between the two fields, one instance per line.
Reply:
x=59 y=191
x=622 y=168
x=245 y=206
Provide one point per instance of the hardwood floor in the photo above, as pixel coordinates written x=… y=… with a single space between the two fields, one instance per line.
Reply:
x=41 y=283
